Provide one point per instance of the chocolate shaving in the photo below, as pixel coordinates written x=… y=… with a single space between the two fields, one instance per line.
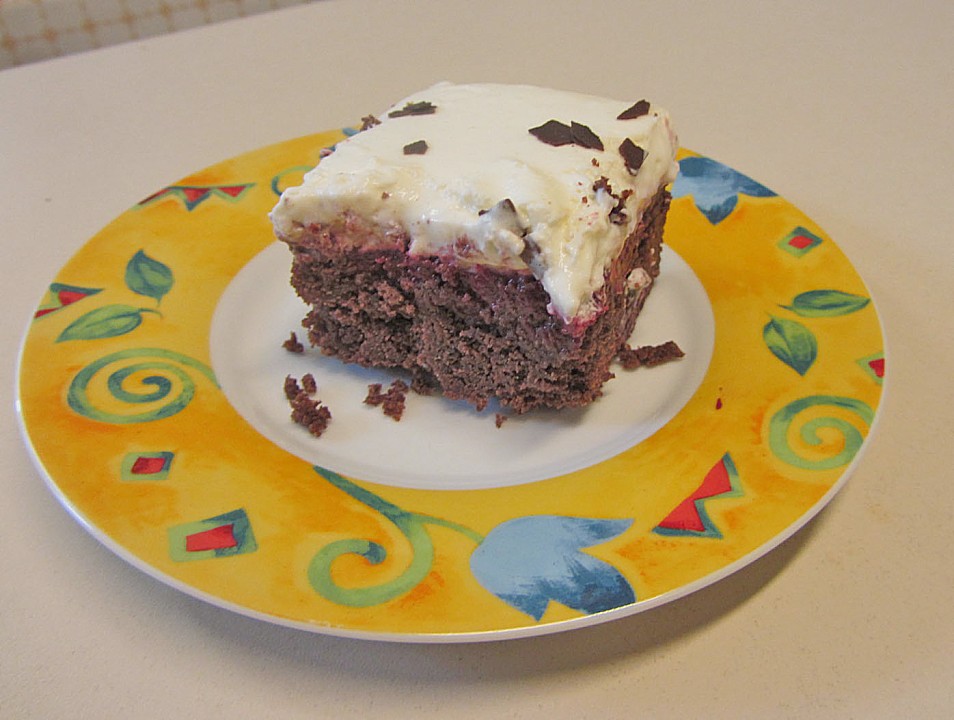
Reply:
x=505 y=204
x=293 y=345
x=530 y=251
x=584 y=137
x=617 y=214
x=418 y=147
x=633 y=155
x=636 y=110
x=555 y=133
x=649 y=355
x=368 y=122
x=414 y=108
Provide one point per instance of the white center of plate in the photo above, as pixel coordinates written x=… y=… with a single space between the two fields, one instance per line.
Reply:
x=440 y=444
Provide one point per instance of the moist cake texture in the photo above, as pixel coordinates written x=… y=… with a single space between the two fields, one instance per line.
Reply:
x=496 y=241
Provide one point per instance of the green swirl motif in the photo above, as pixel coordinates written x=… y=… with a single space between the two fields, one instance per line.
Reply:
x=166 y=364
x=782 y=421
x=278 y=181
x=412 y=526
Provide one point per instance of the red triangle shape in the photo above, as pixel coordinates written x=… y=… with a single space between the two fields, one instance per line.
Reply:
x=232 y=190
x=686 y=516
x=155 y=195
x=67 y=297
x=217 y=538
x=193 y=194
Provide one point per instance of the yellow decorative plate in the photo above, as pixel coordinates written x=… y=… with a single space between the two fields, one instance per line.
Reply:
x=151 y=393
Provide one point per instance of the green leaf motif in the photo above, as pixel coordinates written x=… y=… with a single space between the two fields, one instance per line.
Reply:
x=792 y=343
x=826 y=303
x=104 y=322
x=147 y=276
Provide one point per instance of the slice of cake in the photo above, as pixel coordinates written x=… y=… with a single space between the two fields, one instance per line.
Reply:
x=496 y=241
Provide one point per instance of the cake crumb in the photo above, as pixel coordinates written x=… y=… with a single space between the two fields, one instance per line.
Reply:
x=309 y=384
x=293 y=345
x=392 y=401
x=307 y=411
x=374 y=396
x=500 y=419
x=292 y=388
x=649 y=355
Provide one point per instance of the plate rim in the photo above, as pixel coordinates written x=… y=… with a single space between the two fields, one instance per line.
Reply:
x=527 y=630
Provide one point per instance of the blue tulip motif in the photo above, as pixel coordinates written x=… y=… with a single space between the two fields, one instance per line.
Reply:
x=714 y=187
x=529 y=561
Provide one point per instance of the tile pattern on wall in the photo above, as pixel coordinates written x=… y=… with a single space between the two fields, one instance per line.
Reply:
x=32 y=30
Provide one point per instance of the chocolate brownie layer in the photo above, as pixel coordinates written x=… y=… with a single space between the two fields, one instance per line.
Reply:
x=474 y=332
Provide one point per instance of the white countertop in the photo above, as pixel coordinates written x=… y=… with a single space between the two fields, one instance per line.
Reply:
x=844 y=110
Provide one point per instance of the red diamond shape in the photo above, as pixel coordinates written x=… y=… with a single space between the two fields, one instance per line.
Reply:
x=148 y=465
x=877 y=367
x=800 y=242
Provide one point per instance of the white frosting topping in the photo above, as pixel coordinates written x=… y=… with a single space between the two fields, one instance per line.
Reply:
x=480 y=154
